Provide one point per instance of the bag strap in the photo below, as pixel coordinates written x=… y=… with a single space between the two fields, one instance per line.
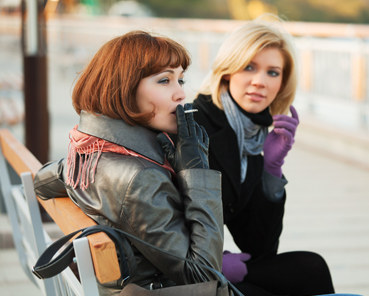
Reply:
x=46 y=267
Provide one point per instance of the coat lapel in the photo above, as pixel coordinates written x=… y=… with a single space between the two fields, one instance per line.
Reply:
x=223 y=147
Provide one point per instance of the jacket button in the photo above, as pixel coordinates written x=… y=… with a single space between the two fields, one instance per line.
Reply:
x=231 y=209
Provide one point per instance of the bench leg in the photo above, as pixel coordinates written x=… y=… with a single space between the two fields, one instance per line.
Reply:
x=85 y=267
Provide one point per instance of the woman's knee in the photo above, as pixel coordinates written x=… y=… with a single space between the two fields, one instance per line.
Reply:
x=315 y=269
x=312 y=261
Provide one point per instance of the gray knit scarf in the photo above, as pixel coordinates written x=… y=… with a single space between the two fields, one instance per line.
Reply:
x=250 y=136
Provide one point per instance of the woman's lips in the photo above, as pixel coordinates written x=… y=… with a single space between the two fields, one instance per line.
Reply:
x=256 y=97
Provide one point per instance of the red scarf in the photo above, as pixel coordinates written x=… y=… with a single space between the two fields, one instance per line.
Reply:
x=83 y=144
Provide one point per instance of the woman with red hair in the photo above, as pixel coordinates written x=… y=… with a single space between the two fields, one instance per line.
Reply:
x=123 y=170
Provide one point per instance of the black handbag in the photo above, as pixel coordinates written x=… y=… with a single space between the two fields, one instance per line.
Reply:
x=47 y=266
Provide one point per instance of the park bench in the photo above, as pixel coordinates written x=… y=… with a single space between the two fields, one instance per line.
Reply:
x=96 y=255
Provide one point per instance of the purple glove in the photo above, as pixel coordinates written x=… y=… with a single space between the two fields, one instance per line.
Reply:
x=279 y=141
x=234 y=266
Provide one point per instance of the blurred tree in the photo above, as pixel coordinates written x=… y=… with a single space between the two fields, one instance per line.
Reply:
x=348 y=11
x=352 y=11
x=188 y=8
x=92 y=6
x=250 y=9
x=343 y=10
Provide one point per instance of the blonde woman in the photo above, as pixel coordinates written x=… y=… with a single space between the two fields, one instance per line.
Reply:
x=244 y=105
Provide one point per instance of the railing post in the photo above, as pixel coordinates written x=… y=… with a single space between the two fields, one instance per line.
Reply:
x=306 y=69
x=359 y=82
x=358 y=76
x=35 y=78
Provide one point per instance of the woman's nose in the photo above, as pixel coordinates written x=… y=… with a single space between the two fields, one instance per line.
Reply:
x=179 y=94
x=258 y=79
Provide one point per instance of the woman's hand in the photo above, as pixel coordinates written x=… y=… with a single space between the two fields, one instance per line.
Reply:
x=279 y=141
x=191 y=150
x=234 y=267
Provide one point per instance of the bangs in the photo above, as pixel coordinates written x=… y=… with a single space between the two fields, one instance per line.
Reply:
x=164 y=53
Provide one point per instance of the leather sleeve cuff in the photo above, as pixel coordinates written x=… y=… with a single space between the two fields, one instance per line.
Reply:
x=273 y=187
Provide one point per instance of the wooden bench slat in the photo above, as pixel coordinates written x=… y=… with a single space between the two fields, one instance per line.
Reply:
x=63 y=211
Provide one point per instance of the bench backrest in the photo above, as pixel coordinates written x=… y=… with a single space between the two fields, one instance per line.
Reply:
x=30 y=237
x=62 y=210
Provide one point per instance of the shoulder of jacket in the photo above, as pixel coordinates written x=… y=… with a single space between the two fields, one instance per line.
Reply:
x=117 y=164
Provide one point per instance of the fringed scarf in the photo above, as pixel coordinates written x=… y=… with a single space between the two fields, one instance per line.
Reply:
x=85 y=146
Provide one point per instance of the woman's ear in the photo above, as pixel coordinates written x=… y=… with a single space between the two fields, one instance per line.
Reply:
x=226 y=77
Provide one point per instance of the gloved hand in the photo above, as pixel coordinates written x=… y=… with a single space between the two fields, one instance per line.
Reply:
x=192 y=146
x=279 y=141
x=234 y=266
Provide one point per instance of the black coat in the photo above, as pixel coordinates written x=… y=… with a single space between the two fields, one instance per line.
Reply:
x=254 y=222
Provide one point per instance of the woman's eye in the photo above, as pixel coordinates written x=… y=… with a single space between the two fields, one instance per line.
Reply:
x=249 y=68
x=167 y=81
x=164 y=81
x=273 y=73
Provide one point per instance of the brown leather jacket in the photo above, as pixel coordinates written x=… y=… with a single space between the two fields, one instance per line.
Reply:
x=138 y=196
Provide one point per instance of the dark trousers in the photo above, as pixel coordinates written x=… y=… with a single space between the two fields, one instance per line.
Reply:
x=291 y=273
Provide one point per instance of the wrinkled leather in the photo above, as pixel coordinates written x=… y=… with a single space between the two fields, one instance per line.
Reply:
x=138 y=196
x=192 y=146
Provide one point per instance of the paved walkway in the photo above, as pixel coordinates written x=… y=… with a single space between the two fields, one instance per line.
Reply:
x=327 y=212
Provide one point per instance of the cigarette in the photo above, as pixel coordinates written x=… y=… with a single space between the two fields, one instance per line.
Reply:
x=191 y=111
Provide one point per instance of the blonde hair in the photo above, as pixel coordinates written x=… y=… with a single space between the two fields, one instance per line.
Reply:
x=238 y=50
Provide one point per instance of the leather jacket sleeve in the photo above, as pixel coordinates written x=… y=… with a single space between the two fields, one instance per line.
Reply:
x=273 y=187
x=187 y=222
x=48 y=181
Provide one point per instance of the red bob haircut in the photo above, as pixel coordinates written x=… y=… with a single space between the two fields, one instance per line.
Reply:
x=109 y=82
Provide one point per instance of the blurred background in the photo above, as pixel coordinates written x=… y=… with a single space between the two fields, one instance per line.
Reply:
x=45 y=44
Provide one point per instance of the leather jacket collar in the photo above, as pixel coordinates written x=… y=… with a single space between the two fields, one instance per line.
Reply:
x=137 y=138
